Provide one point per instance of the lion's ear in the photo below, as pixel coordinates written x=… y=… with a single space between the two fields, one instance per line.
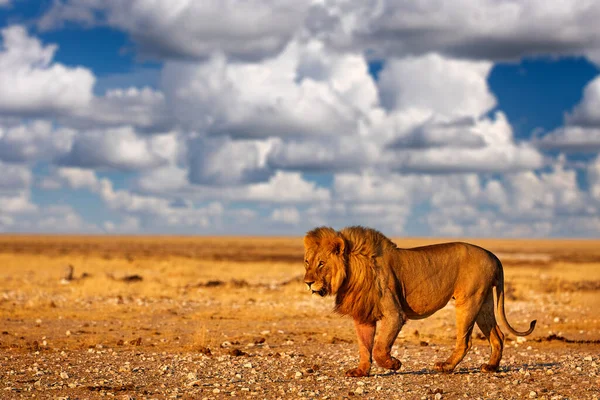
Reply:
x=337 y=245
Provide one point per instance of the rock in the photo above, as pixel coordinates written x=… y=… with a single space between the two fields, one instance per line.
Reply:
x=64 y=375
x=532 y=394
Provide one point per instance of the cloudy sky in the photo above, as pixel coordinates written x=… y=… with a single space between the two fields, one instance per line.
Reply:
x=430 y=118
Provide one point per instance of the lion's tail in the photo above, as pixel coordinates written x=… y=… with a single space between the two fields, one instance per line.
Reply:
x=499 y=288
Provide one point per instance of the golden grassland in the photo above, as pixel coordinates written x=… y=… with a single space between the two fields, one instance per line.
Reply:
x=131 y=298
x=207 y=281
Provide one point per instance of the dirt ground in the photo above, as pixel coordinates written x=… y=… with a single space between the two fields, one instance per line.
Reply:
x=193 y=318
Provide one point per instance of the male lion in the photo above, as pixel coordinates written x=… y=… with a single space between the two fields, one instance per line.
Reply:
x=376 y=282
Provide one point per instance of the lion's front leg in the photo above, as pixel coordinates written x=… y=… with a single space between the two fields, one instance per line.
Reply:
x=365 y=333
x=388 y=330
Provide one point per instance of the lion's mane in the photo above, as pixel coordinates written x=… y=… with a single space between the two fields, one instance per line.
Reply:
x=360 y=288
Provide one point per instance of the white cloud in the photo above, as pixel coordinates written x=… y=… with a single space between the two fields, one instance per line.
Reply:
x=497 y=151
x=593 y=176
x=128 y=225
x=121 y=149
x=144 y=108
x=460 y=133
x=77 y=178
x=191 y=29
x=272 y=98
x=442 y=86
x=333 y=154
x=370 y=187
x=30 y=83
x=223 y=162
x=487 y=29
x=163 y=180
x=581 y=132
x=14 y=178
x=286 y=215
x=587 y=112
x=17 y=204
x=287 y=187
x=34 y=141
x=571 y=139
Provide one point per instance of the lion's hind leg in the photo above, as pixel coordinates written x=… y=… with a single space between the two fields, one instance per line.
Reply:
x=466 y=313
x=486 y=321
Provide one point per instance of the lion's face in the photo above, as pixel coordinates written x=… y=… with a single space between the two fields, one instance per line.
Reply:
x=324 y=264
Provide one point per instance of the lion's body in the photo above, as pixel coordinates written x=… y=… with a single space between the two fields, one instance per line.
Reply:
x=381 y=285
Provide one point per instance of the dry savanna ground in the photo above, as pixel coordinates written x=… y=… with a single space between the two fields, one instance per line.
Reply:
x=165 y=317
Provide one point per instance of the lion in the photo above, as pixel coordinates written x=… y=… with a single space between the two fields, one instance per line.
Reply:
x=381 y=286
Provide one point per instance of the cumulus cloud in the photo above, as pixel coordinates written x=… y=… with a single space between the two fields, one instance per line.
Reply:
x=281 y=188
x=163 y=180
x=519 y=204
x=144 y=109
x=286 y=215
x=489 y=29
x=326 y=155
x=571 y=139
x=34 y=141
x=443 y=86
x=189 y=29
x=14 y=178
x=293 y=94
x=587 y=112
x=30 y=83
x=120 y=149
x=256 y=99
x=495 y=151
x=286 y=187
x=461 y=133
x=581 y=132
x=593 y=176
x=222 y=162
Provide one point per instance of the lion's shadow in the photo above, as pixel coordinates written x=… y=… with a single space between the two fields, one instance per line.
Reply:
x=464 y=371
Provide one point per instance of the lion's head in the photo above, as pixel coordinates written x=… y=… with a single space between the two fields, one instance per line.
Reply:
x=324 y=260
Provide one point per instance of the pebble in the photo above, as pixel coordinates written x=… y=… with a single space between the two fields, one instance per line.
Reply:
x=359 y=390
x=438 y=396
x=532 y=395
x=64 y=375
x=248 y=365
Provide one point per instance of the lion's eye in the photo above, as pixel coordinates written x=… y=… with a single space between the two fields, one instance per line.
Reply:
x=320 y=264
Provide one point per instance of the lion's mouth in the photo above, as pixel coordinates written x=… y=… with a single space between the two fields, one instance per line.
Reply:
x=321 y=292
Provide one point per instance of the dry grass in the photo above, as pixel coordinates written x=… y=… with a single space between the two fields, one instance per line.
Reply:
x=198 y=293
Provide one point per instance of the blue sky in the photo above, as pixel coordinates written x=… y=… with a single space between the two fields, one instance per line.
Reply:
x=266 y=117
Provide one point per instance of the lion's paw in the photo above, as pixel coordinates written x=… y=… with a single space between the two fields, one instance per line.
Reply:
x=442 y=366
x=391 y=363
x=489 y=368
x=356 y=373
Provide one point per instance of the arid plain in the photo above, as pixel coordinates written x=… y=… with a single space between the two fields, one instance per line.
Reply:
x=187 y=317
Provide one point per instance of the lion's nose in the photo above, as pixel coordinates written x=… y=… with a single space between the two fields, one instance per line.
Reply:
x=309 y=284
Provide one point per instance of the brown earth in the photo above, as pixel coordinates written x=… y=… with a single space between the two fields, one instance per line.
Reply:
x=182 y=317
